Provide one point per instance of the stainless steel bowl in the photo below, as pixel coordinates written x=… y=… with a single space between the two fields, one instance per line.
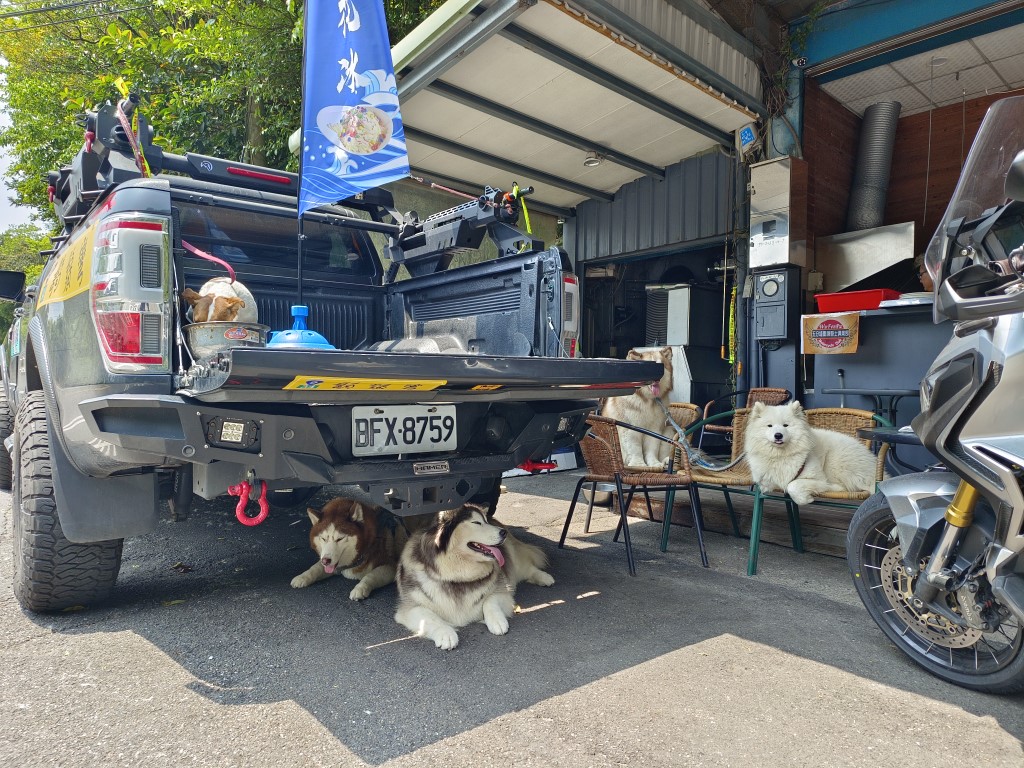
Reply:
x=206 y=340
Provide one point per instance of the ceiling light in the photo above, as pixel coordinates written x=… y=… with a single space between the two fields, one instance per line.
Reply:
x=938 y=61
x=593 y=160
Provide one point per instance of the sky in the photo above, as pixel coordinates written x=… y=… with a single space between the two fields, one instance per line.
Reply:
x=10 y=214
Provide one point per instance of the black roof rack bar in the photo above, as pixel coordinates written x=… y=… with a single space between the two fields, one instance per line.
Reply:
x=90 y=194
x=50 y=252
x=56 y=240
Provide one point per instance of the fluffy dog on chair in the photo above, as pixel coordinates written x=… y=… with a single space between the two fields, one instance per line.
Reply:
x=642 y=409
x=221 y=300
x=786 y=453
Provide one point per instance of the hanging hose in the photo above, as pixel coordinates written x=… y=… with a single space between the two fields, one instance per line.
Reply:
x=209 y=257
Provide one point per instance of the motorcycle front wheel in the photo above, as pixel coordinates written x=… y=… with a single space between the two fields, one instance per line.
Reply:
x=988 y=661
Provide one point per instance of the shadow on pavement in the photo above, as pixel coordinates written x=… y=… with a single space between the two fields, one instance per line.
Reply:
x=248 y=637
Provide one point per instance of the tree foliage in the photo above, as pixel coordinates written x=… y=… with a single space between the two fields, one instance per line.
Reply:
x=19 y=249
x=219 y=77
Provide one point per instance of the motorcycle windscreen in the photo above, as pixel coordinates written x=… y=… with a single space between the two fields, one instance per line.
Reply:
x=982 y=180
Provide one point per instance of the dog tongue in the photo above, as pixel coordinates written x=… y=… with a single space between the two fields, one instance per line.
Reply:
x=496 y=554
x=656 y=390
x=328 y=567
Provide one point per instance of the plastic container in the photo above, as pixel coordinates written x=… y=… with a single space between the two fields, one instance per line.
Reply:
x=299 y=337
x=852 y=301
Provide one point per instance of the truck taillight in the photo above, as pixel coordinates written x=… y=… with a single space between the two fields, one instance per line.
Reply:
x=125 y=336
x=570 y=314
x=130 y=293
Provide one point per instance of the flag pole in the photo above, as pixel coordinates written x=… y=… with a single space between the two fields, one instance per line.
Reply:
x=302 y=152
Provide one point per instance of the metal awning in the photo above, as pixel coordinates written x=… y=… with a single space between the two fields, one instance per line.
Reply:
x=496 y=91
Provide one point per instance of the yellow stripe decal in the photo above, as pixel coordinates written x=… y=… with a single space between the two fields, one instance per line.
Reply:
x=334 y=384
x=71 y=274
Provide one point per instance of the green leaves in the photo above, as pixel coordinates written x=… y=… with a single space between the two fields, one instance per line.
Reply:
x=218 y=77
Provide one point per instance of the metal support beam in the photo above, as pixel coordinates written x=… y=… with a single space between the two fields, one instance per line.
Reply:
x=628 y=26
x=447 y=145
x=544 y=129
x=474 y=188
x=585 y=69
x=485 y=26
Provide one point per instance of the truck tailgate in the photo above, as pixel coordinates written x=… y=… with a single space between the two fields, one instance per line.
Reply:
x=298 y=376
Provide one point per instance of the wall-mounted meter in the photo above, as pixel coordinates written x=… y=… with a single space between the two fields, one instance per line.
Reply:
x=776 y=302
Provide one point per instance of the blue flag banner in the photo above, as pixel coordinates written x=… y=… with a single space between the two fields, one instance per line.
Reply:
x=352 y=135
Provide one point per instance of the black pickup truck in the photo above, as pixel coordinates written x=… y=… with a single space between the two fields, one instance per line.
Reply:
x=432 y=386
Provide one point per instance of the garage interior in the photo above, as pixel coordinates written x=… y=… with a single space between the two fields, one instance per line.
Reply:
x=664 y=137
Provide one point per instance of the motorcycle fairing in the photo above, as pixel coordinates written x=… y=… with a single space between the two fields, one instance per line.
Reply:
x=918 y=503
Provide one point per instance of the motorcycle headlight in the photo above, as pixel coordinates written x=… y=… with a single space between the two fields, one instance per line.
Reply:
x=926 y=395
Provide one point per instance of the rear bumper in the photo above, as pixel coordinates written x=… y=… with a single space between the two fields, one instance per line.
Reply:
x=289 y=445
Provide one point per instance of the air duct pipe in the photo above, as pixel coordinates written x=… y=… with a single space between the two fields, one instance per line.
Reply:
x=874 y=161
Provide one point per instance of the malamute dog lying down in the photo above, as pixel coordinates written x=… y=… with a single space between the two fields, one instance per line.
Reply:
x=460 y=570
x=360 y=540
x=786 y=453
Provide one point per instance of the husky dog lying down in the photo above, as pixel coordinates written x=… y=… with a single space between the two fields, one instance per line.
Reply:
x=460 y=570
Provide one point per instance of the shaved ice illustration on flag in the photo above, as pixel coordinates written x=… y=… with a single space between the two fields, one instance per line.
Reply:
x=352 y=134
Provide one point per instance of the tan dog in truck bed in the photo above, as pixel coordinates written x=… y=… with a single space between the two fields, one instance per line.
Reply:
x=220 y=300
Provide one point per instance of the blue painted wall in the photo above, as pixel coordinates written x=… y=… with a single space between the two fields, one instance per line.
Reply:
x=854 y=24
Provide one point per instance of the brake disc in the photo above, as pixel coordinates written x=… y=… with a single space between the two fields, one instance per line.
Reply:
x=899 y=589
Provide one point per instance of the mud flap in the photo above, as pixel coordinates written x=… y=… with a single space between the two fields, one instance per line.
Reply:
x=101 y=508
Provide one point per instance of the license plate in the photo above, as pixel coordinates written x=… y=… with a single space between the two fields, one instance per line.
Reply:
x=392 y=429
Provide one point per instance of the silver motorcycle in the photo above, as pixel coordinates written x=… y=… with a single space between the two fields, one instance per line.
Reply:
x=936 y=556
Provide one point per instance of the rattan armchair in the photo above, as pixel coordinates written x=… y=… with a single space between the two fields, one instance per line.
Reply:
x=603 y=455
x=766 y=395
x=847 y=421
x=738 y=479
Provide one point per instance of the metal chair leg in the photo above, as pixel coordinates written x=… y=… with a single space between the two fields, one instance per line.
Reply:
x=650 y=510
x=698 y=522
x=670 y=500
x=629 y=500
x=625 y=526
x=793 y=511
x=572 y=506
x=732 y=514
x=590 y=507
x=755 y=532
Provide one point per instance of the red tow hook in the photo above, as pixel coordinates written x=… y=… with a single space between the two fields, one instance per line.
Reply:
x=536 y=466
x=242 y=490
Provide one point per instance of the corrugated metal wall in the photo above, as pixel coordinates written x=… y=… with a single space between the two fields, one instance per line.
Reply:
x=691 y=204
x=684 y=33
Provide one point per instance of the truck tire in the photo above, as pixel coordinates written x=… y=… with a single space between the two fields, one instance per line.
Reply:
x=6 y=430
x=50 y=572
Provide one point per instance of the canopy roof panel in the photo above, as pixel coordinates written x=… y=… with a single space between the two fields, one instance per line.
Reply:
x=524 y=90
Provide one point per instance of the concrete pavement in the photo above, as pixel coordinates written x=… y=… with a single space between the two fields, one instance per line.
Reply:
x=206 y=657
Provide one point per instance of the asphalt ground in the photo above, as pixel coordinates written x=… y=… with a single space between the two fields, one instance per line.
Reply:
x=206 y=656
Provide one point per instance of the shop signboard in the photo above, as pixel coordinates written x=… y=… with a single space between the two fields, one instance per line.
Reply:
x=830 y=334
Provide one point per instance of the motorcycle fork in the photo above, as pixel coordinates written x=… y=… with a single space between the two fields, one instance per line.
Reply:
x=959 y=516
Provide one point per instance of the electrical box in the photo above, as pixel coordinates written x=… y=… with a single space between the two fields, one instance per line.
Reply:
x=776 y=303
x=778 y=212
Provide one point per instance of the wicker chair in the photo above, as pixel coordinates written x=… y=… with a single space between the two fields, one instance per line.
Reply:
x=766 y=395
x=847 y=421
x=738 y=479
x=603 y=455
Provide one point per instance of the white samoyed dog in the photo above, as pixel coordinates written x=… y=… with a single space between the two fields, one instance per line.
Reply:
x=786 y=453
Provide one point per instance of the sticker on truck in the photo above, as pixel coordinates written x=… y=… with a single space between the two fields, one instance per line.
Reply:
x=332 y=383
x=71 y=274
